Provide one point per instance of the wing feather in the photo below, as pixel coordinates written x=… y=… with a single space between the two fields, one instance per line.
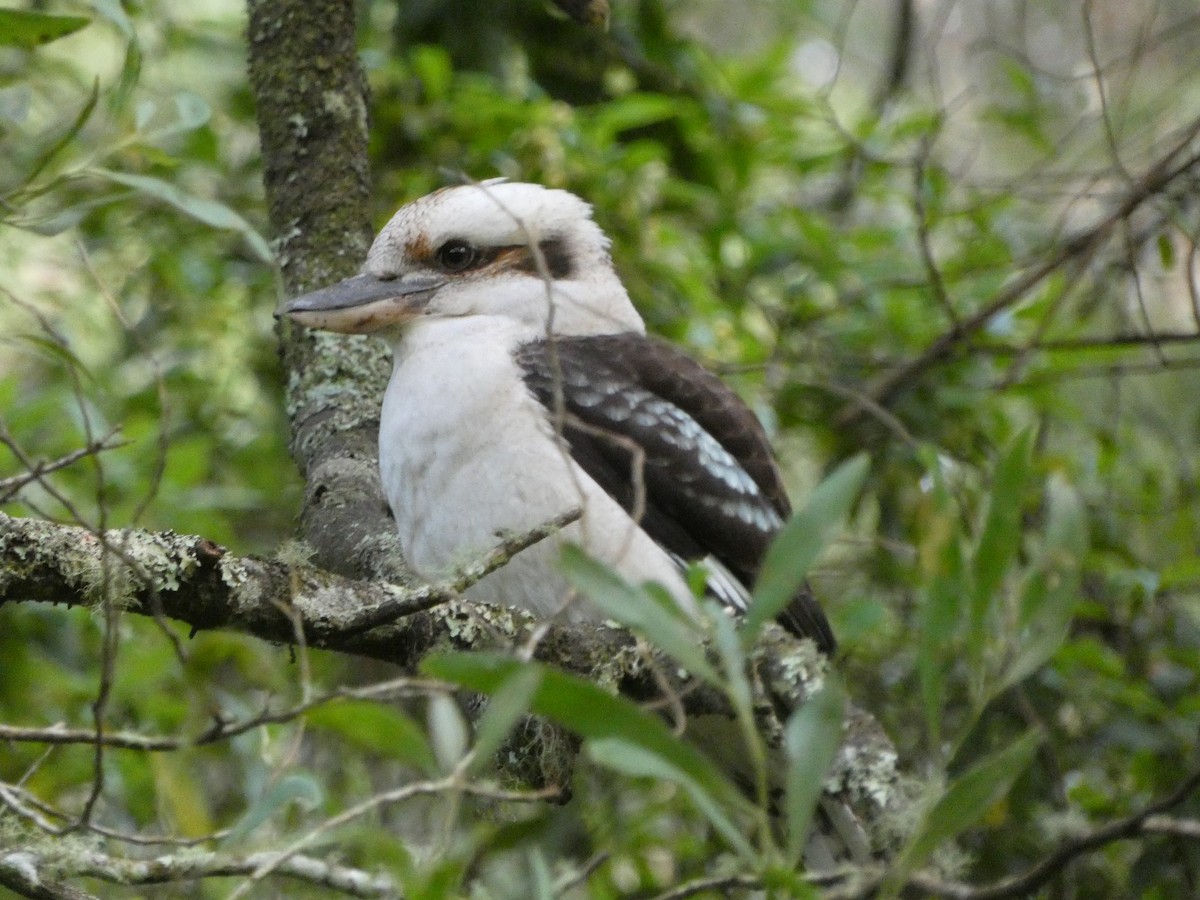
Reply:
x=676 y=447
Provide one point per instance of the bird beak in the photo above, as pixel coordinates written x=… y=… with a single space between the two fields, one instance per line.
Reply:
x=363 y=303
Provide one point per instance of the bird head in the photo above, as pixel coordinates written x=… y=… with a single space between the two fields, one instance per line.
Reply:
x=516 y=251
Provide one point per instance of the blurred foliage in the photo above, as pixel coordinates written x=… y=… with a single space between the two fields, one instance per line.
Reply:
x=1019 y=592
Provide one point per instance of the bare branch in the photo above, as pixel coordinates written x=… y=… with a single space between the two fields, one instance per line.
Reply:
x=1076 y=251
x=1122 y=829
x=43 y=816
x=221 y=729
x=1099 y=342
x=424 y=598
x=197 y=582
x=1187 y=828
x=28 y=870
x=718 y=883
x=454 y=782
x=1148 y=820
x=37 y=470
x=21 y=871
x=901 y=56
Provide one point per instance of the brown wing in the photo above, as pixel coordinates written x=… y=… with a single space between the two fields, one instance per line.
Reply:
x=673 y=444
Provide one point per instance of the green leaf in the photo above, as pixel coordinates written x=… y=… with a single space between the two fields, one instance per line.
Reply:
x=377 y=728
x=69 y=216
x=629 y=757
x=659 y=619
x=1182 y=573
x=969 y=797
x=800 y=541
x=596 y=715
x=945 y=593
x=56 y=351
x=47 y=155
x=191 y=112
x=733 y=659
x=633 y=111
x=300 y=788
x=448 y=731
x=541 y=884
x=1066 y=523
x=1000 y=540
x=27 y=30
x=112 y=11
x=210 y=212
x=433 y=68
x=1166 y=251
x=939 y=618
x=1048 y=603
x=811 y=739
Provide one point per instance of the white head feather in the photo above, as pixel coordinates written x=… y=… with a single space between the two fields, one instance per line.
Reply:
x=537 y=260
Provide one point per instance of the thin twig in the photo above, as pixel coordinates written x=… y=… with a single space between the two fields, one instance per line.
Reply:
x=38 y=812
x=220 y=730
x=578 y=876
x=451 y=782
x=1097 y=342
x=11 y=485
x=428 y=597
x=717 y=883
x=19 y=871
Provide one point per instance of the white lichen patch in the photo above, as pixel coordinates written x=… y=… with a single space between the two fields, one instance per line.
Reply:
x=475 y=622
x=799 y=669
x=344 y=377
x=23 y=863
x=628 y=661
x=165 y=559
x=395 y=591
x=233 y=572
x=97 y=570
x=872 y=776
x=295 y=553
x=347 y=107
x=280 y=244
x=9 y=546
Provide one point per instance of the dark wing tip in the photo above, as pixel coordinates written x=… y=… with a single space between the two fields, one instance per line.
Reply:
x=804 y=617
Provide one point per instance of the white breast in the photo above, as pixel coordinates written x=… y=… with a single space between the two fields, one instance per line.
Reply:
x=467 y=453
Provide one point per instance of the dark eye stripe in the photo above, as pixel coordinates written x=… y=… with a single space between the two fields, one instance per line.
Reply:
x=557 y=259
x=457 y=255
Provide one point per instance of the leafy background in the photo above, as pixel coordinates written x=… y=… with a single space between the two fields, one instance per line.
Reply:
x=1021 y=560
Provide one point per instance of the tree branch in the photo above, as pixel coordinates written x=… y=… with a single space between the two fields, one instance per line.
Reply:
x=1075 y=251
x=1099 y=342
x=36 y=470
x=453 y=782
x=310 y=101
x=194 y=581
x=856 y=884
x=1131 y=826
x=35 y=873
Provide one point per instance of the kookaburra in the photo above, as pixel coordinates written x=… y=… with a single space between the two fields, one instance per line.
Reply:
x=524 y=385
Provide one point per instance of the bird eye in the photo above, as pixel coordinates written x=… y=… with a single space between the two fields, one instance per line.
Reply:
x=454 y=256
